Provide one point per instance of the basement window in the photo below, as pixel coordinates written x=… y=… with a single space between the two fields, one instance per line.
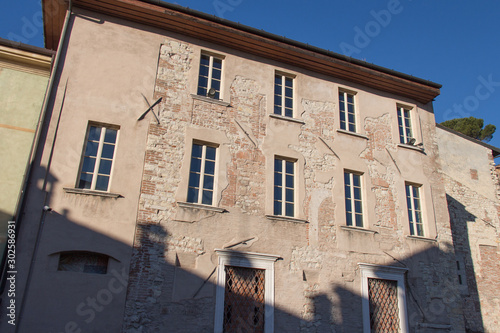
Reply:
x=83 y=262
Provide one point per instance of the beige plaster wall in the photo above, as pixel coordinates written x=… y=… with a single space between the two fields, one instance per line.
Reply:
x=169 y=247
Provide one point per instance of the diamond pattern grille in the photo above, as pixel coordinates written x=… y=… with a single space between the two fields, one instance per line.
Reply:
x=384 y=310
x=244 y=300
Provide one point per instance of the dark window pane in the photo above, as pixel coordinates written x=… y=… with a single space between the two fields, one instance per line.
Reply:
x=289 y=195
x=348 y=205
x=288 y=82
x=288 y=103
x=217 y=63
x=357 y=193
x=108 y=151
x=195 y=164
x=357 y=206
x=277 y=89
x=202 y=91
x=94 y=133
x=420 y=230
x=210 y=167
x=277 y=109
x=85 y=180
x=289 y=167
x=278 y=180
x=210 y=153
x=347 y=178
x=91 y=149
x=412 y=231
x=289 y=209
x=208 y=182
x=194 y=179
x=342 y=116
x=203 y=82
x=348 y=192
x=110 y=136
x=105 y=167
x=356 y=180
x=277 y=208
x=288 y=112
x=350 y=99
x=216 y=74
x=278 y=193
x=341 y=98
x=204 y=71
x=102 y=183
x=277 y=79
x=215 y=85
x=205 y=60
x=359 y=220
x=288 y=92
x=277 y=100
x=88 y=164
x=278 y=165
x=192 y=195
x=289 y=181
x=352 y=127
x=350 y=108
x=348 y=217
x=207 y=197
x=350 y=117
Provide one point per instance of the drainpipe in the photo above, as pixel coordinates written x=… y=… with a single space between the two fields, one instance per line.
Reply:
x=34 y=149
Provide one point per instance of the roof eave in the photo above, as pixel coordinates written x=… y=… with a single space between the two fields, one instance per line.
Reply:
x=236 y=36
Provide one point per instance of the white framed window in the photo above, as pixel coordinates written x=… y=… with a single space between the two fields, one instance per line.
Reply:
x=383 y=298
x=284 y=187
x=210 y=76
x=98 y=155
x=245 y=292
x=404 y=125
x=414 y=209
x=353 y=198
x=283 y=95
x=347 y=111
x=201 y=186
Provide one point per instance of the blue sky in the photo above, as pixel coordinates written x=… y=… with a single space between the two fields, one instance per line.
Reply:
x=452 y=42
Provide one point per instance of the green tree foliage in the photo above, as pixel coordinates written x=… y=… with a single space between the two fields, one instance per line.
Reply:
x=472 y=127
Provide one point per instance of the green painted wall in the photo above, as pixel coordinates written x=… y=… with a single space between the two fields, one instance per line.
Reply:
x=21 y=98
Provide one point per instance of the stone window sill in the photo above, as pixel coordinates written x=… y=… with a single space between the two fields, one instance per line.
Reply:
x=420 y=238
x=293 y=120
x=358 y=135
x=402 y=145
x=199 y=206
x=92 y=192
x=286 y=218
x=209 y=100
x=357 y=229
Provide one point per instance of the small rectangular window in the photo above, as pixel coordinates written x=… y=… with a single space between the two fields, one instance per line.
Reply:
x=347 y=111
x=202 y=174
x=353 y=199
x=210 y=76
x=98 y=157
x=414 y=210
x=404 y=124
x=283 y=95
x=284 y=187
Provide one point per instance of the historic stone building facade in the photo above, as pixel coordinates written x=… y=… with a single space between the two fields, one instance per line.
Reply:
x=201 y=176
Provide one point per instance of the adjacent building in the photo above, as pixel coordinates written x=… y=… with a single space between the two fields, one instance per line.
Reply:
x=24 y=75
x=197 y=175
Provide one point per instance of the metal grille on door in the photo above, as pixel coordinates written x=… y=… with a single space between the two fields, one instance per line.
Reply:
x=244 y=300
x=384 y=310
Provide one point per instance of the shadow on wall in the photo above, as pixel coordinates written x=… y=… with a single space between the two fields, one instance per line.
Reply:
x=82 y=282
x=459 y=217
